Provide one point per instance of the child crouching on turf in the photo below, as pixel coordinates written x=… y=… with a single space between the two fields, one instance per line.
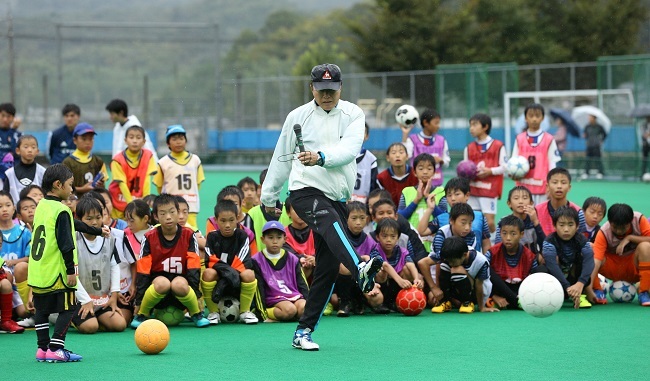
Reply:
x=138 y=217
x=168 y=267
x=569 y=256
x=510 y=263
x=398 y=271
x=99 y=275
x=283 y=286
x=6 y=303
x=464 y=276
x=228 y=267
x=349 y=295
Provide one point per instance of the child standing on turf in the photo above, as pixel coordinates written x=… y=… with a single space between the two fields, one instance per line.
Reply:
x=568 y=256
x=520 y=201
x=88 y=169
x=228 y=265
x=398 y=271
x=366 y=172
x=131 y=170
x=510 y=263
x=169 y=267
x=138 y=217
x=283 y=286
x=489 y=155
x=180 y=173
x=594 y=209
x=622 y=252
x=399 y=174
x=99 y=275
x=25 y=171
x=464 y=276
x=248 y=187
x=52 y=266
x=558 y=185
x=539 y=148
x=428 y=141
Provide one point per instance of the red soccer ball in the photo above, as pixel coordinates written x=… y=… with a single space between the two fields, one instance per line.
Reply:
x=411 y=301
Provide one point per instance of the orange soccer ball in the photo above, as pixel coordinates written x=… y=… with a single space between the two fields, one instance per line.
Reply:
x=411 y=301
x=152 y=336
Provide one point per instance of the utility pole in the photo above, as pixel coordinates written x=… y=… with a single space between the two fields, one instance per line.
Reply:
x=12 y=57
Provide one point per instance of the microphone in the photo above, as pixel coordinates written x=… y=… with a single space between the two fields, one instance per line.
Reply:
x=298 y=131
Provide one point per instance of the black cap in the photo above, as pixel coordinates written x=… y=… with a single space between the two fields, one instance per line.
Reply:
x=326 y=77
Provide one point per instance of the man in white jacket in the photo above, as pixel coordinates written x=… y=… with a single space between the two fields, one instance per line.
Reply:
x=321 y=179
x=118 y=111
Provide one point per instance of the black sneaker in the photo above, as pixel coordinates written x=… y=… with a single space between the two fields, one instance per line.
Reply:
x=344 y=310
x=381 y=310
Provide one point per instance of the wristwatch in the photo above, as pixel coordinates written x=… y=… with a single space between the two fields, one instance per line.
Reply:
x=321 y=159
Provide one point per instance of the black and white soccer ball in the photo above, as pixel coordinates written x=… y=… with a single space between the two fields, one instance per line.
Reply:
x=229 y=310
x=407 y=115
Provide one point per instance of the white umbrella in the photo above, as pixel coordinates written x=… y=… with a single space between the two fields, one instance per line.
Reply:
x=581 y=116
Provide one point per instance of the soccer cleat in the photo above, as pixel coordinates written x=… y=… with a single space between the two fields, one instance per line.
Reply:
x=214 y=318
x=466 y=308
x=601 y=297
x=344 y=310
x=584 y=303
x=367 y=272
x=248 y=318
x=27 y=322
x=10 y=326
x=302 y=340
x=61 y=355
x=199 y=320
x=41 y=355
x=644 y=298
x=442 y=307
x=381 y=310
x=139 y=319
x=329 y=308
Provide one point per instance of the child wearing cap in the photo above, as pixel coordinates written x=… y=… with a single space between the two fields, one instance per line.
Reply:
x=85 y=166
x=281 y=282
x=180 y=173
x=131 y=169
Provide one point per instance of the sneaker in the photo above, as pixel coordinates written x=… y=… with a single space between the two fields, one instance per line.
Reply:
x=199 y=320
x=187 y=316
x=27 y=322
x=214 y=318
x=644 y=298
x=302 y=340
x=41 y=355
x=466 y=308
x=10 y=326
x=248 y=318
x=442 y=307
x=601 y=297
x=139 y=319
x=344 y=310
x=381 y=310
x=329 y=308
x=367 y=272
x=584 y=303
x=61 y=355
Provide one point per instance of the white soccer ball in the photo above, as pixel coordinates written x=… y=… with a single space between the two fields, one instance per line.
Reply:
x=229 y=310
x=541 y=295
x=517 y=167
x=407 y=115
x=622 y=291
x=646 y=177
